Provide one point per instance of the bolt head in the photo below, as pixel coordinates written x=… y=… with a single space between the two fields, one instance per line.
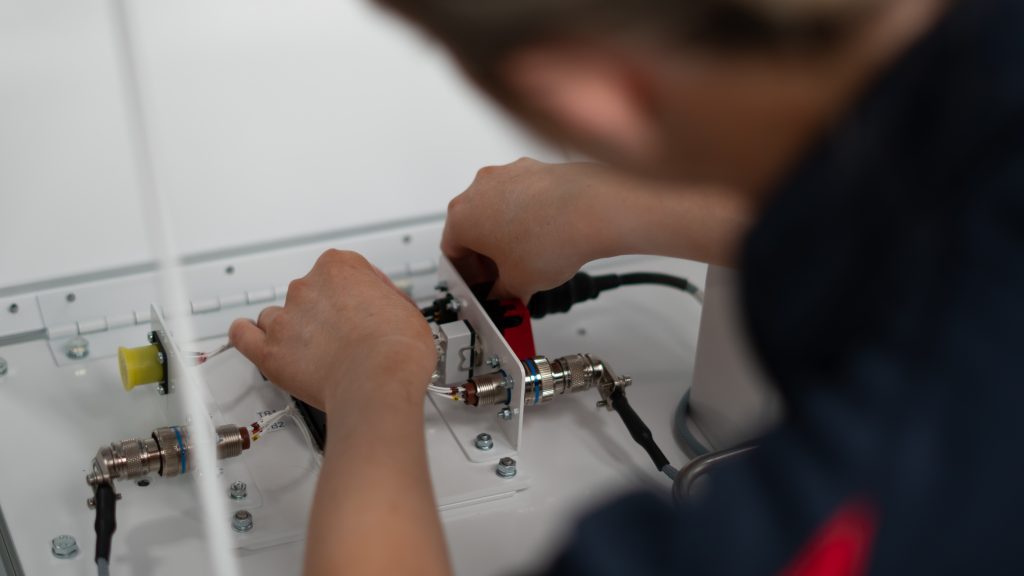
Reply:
x=77 y=348
x=484 y=441
x=151 y=337
x=242 y=521
x=3 y=367
x=64 y=546
x=238 y=491
x=161 y=358
x=506 y=467
x=505 y=413
x=494 y=362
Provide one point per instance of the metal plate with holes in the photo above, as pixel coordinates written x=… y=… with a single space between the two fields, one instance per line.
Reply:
x=464 y=421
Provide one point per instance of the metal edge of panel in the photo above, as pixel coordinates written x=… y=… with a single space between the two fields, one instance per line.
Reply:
x=9 y=563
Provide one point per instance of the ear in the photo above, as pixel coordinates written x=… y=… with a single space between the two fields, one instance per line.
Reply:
x=587 y=95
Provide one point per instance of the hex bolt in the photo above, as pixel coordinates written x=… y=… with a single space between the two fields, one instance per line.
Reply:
x=161 y=358
x=242 y=521
x=64 y=546
x=494 y=362
x=506 y=467
x=3 y=367
x=238 y=490
x=505 y=413
x=484 y=441
x=77 y=348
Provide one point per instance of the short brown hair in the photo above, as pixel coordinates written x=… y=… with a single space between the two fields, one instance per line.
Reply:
x=481 y=32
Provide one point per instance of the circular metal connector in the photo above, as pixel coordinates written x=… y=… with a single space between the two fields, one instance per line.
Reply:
x=242 y=521
x=484 y=441
x=64 y=546
x=506 y=467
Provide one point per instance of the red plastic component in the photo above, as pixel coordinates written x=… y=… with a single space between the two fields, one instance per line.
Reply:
x=519 y=338
x=840 y=547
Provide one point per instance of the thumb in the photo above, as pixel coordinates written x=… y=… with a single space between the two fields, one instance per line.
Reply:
x=248 y=339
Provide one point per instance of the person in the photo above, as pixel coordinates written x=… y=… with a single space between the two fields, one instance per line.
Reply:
x=860 y=161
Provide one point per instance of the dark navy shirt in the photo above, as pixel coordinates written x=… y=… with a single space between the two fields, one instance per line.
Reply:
x=884 y=292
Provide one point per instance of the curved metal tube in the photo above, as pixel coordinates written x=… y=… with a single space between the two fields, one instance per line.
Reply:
x=702 y=465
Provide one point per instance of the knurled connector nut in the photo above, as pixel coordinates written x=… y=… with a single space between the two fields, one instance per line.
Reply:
x=577 y=365
x=131 y=450
x=546 y=379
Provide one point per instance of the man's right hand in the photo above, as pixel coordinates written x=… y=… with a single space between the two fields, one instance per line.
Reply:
x=524 y=226
x=529 y=226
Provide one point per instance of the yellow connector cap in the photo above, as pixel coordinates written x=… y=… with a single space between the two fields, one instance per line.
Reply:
x=140 y=366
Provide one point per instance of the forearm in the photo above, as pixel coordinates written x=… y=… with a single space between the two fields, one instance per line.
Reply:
x=375 y=491
x=633 y=216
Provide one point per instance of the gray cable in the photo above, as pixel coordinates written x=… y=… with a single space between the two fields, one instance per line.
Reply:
x=670 y=471
x=102 y=567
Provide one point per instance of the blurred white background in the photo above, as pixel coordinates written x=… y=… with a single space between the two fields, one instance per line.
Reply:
x=269 y=119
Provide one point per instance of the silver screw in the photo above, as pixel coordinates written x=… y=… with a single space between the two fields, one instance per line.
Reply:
x=64 y=546
x=77 y=348
x=3 y=366
x=454 y=305
x=242 y=521
x=238 y=491
x=506 y=467
x=161 y=358
x=151 y=336
x=494 y=362
x=505 y=413
x=484 y=441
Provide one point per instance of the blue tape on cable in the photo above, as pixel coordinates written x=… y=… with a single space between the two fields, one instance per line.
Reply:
x=181 y=449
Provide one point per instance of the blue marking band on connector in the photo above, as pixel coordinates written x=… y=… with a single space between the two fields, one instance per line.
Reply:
x=181 y=449
x=536 y=383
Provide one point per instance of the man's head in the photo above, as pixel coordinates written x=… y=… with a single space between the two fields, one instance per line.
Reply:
x=722 y=90
x=699 y=89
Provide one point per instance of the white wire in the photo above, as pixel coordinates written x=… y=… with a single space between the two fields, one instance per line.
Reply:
x=289 y=411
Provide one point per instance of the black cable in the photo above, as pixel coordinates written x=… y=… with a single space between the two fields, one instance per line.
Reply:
x=656 y=278
x=583 y=287
x=106 y=524
x=637 y=429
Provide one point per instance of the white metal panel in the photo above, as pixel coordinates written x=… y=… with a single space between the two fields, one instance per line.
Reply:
x=576 y=455
x=269 y=120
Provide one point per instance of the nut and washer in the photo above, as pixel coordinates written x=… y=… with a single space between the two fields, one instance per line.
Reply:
x=64 y=546
x=77 y=348
x=506 y=467
x=242 y=521
x=484 y=441
x=505 y=413
x=494 y=362
x=3 y=367
x=238 y=491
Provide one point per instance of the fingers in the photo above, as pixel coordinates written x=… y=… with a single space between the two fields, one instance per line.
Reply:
x=451 y=246
x=266 y=317
x=249 y=339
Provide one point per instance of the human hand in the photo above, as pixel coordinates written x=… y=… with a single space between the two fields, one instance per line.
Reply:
x=527 y=226
x=345 y=337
